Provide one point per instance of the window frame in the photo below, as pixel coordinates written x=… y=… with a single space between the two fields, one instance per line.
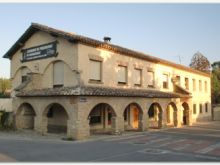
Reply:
x=140 y=71
x=151 y=85
x=126 y=75
x=194 y=84
x=101 y=72
x=200 y=108
x=167 y=82
x=194 y=109
x=54 y=84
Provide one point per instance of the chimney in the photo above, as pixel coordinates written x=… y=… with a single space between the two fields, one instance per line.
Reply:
x=107 y=39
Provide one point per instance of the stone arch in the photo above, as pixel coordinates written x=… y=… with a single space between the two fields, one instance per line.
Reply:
x=55 y=118
x=171 y=111
x=54 y=61
x=25 y=116
x=185 y=113
x=20 y=68
x=133 y=115
x=155 y=114
x=100 y=118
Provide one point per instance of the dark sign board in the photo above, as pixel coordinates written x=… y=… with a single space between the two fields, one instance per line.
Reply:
x=39 y=52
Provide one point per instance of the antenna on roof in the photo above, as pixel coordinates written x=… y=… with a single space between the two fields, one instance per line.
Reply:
x=180 y=61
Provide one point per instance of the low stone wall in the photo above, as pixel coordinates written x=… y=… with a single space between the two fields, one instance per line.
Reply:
x=216 y=112
x=6 y=104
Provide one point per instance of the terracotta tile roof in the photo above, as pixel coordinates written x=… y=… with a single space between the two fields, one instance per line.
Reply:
x=98 y=91
x=94 y=43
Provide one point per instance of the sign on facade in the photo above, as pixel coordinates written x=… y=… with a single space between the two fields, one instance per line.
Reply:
x=39 y=52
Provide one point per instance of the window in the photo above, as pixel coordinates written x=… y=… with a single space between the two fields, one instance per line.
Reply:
x=206 y=107
x=205 y=86
x=137 y=77
x=95 y=117
x=178 y=80
x=187 y=83
x=122 y=74
x=165 y=81
x=150 y=77
x=200 y=85
x=194 y=108
x=194 y=85
x=200 y=108
x=95 y=70
x=24 y=72
x=58 y=74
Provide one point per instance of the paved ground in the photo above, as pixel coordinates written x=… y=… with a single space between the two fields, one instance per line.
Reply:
x=200 y=142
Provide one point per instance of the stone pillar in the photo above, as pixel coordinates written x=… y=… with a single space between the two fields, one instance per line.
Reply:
x=189 y=113
x=40 y=124
x=117 y=124
x=79 y=129
x=164 y=118
x=177 y=114
x=142 y=123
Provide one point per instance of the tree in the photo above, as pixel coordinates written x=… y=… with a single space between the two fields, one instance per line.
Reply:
x=215 y=84
x=4 y=84
x=200 y=62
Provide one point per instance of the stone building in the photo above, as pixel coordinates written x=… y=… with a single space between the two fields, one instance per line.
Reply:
x=64 y=82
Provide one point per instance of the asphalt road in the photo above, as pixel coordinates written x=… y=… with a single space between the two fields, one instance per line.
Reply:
x=199 y=143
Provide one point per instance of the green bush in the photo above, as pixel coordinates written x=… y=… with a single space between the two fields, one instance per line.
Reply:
x=6 y=120
x=2 y=95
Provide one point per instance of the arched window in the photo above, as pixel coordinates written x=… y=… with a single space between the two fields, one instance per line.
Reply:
x=58 y=74
x=24 y=72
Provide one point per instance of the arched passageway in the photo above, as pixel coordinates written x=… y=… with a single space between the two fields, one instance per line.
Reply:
x=100 y=118
x=25 y=116
x=171 y=112
x=185 y=114
x=56 y=118
x=133 y=114
x=155 y=114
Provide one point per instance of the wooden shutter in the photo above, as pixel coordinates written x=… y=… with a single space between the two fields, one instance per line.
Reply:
x=165 y=80
x=95 y=70
x=150 y=77
x=58 y=73
x=122 y=74
x=137 y=76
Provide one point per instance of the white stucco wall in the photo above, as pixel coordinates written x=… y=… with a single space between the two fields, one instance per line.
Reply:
x=6 y=104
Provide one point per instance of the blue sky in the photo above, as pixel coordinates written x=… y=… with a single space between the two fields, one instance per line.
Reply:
x=162 y=30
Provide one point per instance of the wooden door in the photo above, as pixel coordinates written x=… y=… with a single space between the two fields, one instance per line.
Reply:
x=135 y=117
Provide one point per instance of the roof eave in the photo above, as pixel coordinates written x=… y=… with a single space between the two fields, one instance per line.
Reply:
x=19 y=43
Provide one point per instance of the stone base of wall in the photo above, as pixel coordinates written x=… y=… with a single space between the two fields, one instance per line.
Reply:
x=56 y=129
x=202 y=119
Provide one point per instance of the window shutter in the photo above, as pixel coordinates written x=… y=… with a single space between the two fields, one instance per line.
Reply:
x=137 y=76
x=95 y=70
x=58 y=73
x=165 y=80
x=122 y=74
x=150 y=77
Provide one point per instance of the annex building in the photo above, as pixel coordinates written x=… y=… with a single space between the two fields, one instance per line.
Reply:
x=64 y=82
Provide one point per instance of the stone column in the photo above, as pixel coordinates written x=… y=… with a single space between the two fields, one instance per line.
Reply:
x=189 y=113
x=40 y=124
x=117 y=124
x=178 y=118
x=79 y=129
x=164 y=118
x=142 y=123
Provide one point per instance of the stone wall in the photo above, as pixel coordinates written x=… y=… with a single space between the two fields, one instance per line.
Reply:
x=216 y=112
